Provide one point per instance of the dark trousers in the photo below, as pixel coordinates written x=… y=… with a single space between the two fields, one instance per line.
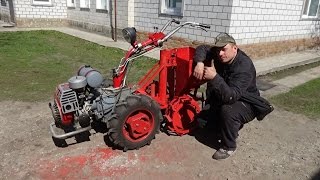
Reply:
x=229 y=119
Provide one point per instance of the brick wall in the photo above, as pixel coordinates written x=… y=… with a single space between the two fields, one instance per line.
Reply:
x=213 y=12
x=261 y=27
x=97 y=20
x=30 y=15
x=4 y=12
x=268 y=20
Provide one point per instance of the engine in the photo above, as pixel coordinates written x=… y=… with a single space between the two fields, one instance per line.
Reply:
x=81 y=100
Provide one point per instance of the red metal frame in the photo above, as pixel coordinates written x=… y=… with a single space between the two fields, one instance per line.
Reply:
x=169 y=83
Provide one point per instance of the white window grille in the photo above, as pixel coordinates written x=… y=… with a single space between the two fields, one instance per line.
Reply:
x=70 y=3
x=102 y=4
x=42 y=2
x=172 y=7
x=310 y=9
x=84 y=3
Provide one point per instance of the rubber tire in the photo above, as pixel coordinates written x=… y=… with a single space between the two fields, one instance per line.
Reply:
x=59 y=142
x=122 y=110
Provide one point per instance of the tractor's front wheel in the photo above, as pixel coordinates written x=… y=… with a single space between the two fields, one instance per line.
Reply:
x=135 y=123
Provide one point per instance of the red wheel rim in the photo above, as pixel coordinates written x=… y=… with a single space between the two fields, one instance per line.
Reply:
x=138 y=125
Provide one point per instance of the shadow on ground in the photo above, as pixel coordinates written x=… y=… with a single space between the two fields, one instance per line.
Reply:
x=207 y=136
x=316 y=176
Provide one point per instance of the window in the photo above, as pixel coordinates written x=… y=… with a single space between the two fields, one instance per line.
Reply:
x=310 y=9
x=84 y=3
x=42 y=2
x=70 y=3
x=103 y=4
x=3 y=3
x=172 y=7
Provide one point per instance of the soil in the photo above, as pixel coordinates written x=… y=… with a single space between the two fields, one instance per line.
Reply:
x=282 y=146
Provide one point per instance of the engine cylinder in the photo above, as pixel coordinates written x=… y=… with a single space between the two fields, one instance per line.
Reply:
x=94 y=77
x=77 y=82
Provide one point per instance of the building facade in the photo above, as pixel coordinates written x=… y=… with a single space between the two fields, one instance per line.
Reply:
x=260 y=27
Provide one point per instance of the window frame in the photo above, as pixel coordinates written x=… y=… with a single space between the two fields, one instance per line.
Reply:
x=41 y=3
x=164 y=9
x=3 y=3
x=306 y=16
x=100 y=8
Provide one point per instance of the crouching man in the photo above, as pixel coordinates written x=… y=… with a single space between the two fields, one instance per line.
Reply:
x=231 y=74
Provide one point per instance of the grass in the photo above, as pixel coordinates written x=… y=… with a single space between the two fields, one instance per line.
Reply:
x=33 y=63
x=304 y=99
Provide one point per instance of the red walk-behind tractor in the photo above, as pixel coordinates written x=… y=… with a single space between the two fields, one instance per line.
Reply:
x=166 y=96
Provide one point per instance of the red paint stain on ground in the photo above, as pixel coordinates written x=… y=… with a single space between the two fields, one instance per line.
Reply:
x=100 y=162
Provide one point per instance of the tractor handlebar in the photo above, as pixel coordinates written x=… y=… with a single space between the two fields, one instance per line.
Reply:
x=155 y=40
x=192 y=24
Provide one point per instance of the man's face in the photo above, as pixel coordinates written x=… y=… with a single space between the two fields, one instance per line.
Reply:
x=227 y=53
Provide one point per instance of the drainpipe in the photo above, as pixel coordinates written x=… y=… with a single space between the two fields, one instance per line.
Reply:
x=115 y=21
x=11 y=10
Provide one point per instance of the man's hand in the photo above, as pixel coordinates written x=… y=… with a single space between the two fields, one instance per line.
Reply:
x=198 y=70
x=209 y=73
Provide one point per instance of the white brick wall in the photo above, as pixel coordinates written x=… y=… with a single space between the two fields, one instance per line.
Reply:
x=103 y=19
x=90 y=16
x=25 y=9
x=213 y=12
x=4 y=10
x=249 y=21
x=268 y=21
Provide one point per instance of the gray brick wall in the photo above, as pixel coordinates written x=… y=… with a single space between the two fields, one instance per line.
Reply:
x=249 y=21
x=88 y=16
x=4 y=12
x=26 y=10
x=96 y=20
x=217 y=13
x=268 y=20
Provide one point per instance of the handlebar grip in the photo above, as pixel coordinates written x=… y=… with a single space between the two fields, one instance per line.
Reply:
x=176 y=21
x=205 y=26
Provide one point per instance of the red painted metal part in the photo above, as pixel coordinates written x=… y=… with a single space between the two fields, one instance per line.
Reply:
x=180 y=114
x=153 y=40
x=170 y=83
x=138 y=125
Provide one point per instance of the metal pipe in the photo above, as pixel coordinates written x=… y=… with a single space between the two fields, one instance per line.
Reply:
x=115 y=21
x=67 y=135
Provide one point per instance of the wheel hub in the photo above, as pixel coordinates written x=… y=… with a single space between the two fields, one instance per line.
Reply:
x=139 y=125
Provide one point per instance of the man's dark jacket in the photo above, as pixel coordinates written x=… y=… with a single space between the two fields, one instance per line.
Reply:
x=232 y=80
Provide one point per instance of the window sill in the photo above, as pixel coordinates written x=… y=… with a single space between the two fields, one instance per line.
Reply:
x=310 y=19
x=71 y=7
x=102 y=11
x=171 y=14
x=84 y=9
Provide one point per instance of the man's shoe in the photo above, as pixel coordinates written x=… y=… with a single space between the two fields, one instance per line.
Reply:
x=222 y=154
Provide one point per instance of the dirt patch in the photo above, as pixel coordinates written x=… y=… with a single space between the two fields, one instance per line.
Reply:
x=282 y=146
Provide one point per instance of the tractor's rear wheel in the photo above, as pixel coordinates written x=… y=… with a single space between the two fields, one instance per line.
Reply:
x=136 y=121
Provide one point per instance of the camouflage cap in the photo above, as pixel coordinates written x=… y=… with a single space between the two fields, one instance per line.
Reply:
x=223 y=39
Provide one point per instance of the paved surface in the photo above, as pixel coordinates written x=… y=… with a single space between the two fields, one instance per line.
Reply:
x=263 y=66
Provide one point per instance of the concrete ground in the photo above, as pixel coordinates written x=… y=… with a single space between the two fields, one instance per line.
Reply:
x=284 y=145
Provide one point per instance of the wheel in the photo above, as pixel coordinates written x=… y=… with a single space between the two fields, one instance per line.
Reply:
x=135 y=123
x=59 y=142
